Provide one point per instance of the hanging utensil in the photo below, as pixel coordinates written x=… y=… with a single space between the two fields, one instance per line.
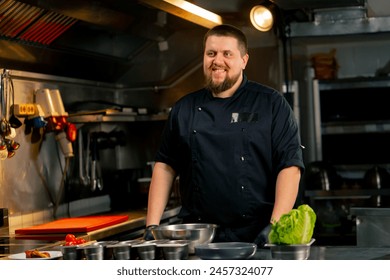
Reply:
x=99 y=177
x=3 y=149
x=3 y=122
x=83 y=171
x=5 y=128
x=13 y=120
x=93 y=151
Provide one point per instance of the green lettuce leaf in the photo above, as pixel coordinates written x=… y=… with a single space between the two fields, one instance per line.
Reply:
x=295 y=227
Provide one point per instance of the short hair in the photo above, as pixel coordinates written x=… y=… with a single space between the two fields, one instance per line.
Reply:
x=229 y=31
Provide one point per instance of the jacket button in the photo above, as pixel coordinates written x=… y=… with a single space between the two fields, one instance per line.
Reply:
x=194 y=131
x=199 y=108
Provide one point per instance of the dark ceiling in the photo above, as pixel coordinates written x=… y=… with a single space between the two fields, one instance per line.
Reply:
x=126 y=42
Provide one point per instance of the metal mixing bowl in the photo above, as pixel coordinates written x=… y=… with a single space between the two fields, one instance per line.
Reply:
x=195 y=233
x=290 y=252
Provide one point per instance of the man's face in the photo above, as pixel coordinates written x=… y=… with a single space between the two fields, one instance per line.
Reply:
x=222 y=63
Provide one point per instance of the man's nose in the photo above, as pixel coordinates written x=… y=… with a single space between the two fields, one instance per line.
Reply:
x=218 y=59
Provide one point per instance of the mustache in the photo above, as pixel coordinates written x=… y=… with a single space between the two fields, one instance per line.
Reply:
x=218 y=67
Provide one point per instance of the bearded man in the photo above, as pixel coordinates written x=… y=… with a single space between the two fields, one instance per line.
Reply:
x=235 y=145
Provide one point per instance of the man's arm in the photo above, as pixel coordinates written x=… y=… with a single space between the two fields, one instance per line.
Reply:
x=287 y=187
x=159 y=192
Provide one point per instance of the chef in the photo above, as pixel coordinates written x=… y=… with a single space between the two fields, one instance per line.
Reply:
x=235 y=145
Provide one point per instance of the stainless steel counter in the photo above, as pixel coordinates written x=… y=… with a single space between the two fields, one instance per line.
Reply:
x=338 y=253
x=331 y=253
x=132 y=228
x=136 y=223
x=372 y=226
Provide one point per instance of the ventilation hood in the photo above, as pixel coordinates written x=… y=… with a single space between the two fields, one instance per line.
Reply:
x=339 y=18
x=122 y=42
x=139 y=43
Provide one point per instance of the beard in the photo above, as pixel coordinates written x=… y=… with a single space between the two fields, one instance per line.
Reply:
x=220 y=87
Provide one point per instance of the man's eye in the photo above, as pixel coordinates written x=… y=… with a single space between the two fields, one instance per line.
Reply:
x=211 y=54
x=228 y=54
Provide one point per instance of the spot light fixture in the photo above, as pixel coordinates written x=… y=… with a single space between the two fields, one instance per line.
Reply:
x=261 y=18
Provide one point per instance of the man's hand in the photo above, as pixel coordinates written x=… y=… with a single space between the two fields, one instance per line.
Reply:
x=148 y=232
x=262 y=238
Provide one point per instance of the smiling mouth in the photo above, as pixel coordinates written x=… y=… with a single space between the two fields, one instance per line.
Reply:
x=218 y=70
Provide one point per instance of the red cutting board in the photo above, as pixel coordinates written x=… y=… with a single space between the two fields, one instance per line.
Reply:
x=78 y=224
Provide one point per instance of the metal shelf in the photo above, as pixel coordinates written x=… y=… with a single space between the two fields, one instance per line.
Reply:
x=359 y=82
x=346 y=194
x=98 y=118
x=350 y=128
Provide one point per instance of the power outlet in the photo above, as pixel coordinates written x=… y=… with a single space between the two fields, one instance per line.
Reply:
x=24 y=110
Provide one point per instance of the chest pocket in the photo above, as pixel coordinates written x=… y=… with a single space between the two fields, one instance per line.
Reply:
x=244 y=117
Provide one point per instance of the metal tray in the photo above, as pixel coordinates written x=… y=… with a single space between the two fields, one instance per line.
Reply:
x=226 y=251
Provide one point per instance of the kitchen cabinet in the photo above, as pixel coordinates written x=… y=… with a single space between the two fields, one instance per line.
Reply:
x=352 y=120
x=352 y=132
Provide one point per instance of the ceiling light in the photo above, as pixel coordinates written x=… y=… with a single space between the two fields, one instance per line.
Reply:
x=187 y=11
x=261 y=18
x=196 y=10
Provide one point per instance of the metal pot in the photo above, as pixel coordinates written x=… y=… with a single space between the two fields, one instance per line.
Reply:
x=377 y=178
x=322 y=176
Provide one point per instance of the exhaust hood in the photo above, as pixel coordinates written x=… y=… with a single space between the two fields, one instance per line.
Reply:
x=31 y=24
x=136 y=43
x=106 y=41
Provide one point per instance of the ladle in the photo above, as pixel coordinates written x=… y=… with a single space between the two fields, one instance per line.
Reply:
x=13 y=120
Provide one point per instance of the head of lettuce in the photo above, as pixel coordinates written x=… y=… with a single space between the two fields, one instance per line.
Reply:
x=295 y=227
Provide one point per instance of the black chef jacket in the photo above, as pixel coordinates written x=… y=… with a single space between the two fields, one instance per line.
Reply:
x=228 y=152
